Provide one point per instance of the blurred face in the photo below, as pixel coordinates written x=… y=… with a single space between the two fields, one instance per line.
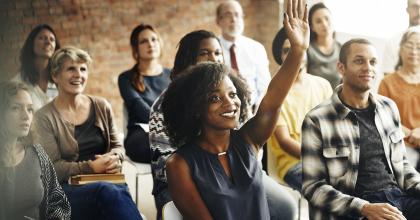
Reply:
x=44 y=44
x=223 y=109
x=230 y=20
x=321 y=22
x=19 y=115
x=149 y=46
x=285 y=50
x=360 y=69
x=72 y=77
x=413 y=10
x=410 y=51
x=210 y=50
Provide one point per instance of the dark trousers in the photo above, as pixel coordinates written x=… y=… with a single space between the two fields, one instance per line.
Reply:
x=407 y=204
x=101 y=201
x=137 y=145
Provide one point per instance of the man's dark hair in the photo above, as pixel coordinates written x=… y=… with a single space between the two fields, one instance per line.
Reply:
x=345 y=49
x=185 y=102
x=188 y=50
x=27 y=55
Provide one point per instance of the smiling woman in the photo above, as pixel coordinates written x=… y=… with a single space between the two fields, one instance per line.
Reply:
x=80 y=137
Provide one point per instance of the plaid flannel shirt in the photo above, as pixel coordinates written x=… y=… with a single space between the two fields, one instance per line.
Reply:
x=330 y=156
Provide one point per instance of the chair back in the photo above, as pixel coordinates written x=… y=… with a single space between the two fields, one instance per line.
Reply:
x=170 y=212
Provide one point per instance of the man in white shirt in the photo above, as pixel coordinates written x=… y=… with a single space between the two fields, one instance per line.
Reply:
x=250 y=55
x=392 y=48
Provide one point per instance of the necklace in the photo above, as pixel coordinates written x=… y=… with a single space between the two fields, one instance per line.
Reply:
x=221 y=153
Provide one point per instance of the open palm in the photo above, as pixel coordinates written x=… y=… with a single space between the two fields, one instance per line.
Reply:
x=296 y=23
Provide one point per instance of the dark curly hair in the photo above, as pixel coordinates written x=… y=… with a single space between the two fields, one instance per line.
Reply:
x=186 y=99
x=188 y=50
x=27 y=54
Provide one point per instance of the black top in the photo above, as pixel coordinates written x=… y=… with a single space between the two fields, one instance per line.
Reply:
x=240 y=197
x=138 y=103
x=374 y=173
x=89 y=138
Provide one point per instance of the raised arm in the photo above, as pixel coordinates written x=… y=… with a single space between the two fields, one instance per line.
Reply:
x=260 y=127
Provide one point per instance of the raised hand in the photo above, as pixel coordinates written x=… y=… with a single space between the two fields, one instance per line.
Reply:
x=296 y=23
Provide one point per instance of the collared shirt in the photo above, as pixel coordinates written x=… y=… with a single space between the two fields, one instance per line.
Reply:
x=252 y=64
x=330 y=155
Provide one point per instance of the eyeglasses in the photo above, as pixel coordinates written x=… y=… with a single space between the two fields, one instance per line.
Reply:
x=411 y=46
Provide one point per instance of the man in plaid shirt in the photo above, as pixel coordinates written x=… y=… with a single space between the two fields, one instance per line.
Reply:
x=353 y=152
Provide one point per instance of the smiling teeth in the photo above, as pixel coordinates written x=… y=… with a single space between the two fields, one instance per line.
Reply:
x=229 y=114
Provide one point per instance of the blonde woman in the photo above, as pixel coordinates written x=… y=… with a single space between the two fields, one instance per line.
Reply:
x=79 y=135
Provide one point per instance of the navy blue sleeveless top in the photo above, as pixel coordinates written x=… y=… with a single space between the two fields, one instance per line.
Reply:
x=240 y=197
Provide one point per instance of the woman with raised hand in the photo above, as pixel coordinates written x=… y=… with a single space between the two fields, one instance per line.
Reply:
x=35 y=55
x=140 y=86
x=407 y=78
x=215 y=174
x=195 y=47
x=28 y=184
x=323 y=49
x=79 y=135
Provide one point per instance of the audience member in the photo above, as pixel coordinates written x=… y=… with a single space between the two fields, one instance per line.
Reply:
x=245 y=55
x=28 y=183
x=307 y=92
x=353 y=153
x=34 y=58
x=79 y=135
x=391 y=52
x=216 y=173
x=324 y=49
x=139 y=87
x=194 y=47
x=407 y=79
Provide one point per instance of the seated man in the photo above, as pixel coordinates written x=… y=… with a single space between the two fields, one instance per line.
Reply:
x=353 y=151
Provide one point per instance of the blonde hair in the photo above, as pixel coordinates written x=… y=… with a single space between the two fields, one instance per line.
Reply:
x=407 y=34
x=69 y=52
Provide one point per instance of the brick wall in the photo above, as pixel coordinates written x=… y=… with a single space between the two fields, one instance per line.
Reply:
x=103 y=27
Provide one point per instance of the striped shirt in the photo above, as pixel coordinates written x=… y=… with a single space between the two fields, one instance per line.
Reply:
x=330 y=156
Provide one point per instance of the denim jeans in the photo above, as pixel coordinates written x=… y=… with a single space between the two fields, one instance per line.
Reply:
x=281 y=204
x=407 y=204
x=101 y=201
x=293 y=177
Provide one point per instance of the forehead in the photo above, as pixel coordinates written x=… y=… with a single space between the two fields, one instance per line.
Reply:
x=362 y=50
x=209 y=43
x=22 y=97
x=147 y=33
x=44 y=32
x=231 y=7
x=413 y=2
x=322 y=12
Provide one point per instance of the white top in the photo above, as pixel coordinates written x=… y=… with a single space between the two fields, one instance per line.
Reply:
x=252 y=61
x=39 y=97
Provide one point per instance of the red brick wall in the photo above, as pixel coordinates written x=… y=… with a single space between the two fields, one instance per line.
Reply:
x=103 y=27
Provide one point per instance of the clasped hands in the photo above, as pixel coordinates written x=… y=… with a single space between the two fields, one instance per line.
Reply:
x=106 y=163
